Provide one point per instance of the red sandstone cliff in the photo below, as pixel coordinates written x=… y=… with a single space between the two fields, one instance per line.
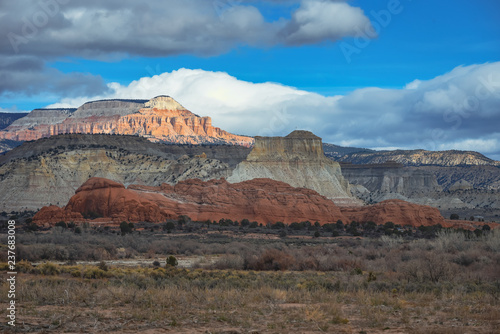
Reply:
x=396 y=211
x=159 y=119
x=261 y=200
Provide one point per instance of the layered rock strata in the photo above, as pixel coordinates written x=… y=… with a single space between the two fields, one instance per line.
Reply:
x=298 y=160
x=159 y=119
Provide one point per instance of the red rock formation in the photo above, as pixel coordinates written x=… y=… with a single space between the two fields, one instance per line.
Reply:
x=396 y=211
x=105 y=198
x=261 y=200
x=159 y=119
x=53 y=214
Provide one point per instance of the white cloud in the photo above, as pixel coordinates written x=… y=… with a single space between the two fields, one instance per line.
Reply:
x=41 y=31
x=491 y=145
x=320 y=20
x=460 y=109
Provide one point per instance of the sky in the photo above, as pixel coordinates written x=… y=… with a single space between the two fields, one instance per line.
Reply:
x=380 y=74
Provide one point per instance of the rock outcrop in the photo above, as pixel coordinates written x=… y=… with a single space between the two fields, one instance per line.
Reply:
x=159 y=119
x=29 y=184
x=259 y=200
x=420 y=158
x=7 y=118
x=396 y=211
x=387 y=178
x=298 y=160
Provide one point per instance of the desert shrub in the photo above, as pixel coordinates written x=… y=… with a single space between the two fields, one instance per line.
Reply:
x=61 y=224
x=429 y=267
x=94 y=273
x=103 y=266
x=230 y=261
x=392 y=241
x=492 y=240
x=48 y=268
x=278 y=225
x=172 y=261
x=125 y=228
x=270 y=259
x=450 y=241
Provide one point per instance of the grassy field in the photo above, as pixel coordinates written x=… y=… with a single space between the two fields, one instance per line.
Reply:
x=388 y=284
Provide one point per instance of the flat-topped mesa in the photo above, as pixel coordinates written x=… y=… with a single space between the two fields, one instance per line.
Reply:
x=158 y=119
x=297 y=159
x=107 y=108
x=36 y=124
x=297 y=146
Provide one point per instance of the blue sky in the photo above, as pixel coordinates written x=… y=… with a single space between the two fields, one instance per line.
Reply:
x=97 y=49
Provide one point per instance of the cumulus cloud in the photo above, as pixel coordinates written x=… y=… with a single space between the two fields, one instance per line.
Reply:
x=35 y=32
x=316 y=21
x=28 y=75
x=457 y=110
x=94 y=29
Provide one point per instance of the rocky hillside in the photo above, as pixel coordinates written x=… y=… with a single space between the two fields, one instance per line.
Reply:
x=7 y=144
x=49 y=170
x=420 y=158
x=335 y=151
x=7 y=118
x=466 y=177
x=160 y=119
x=298 y=160
x=230 y=154
x=261 y=200
x=390 y=178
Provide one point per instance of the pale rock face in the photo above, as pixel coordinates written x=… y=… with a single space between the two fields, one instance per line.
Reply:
x=53 y=179
x=164 y=103
x=298 y=160
x=402 y=180
x=460 y=185
x=41 y=117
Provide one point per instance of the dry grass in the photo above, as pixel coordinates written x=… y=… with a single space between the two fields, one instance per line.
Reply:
x=450 y=284
x=180 y=300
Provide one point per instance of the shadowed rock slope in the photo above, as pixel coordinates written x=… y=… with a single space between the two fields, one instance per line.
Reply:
x=7 y=118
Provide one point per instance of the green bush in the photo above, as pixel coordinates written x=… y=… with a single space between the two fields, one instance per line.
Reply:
x=172 y=261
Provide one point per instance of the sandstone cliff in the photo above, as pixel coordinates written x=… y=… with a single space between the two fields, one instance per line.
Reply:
x=298 y=160
x=396 y=211
x=261 y=200
x=159 y=119
x=257 y=200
